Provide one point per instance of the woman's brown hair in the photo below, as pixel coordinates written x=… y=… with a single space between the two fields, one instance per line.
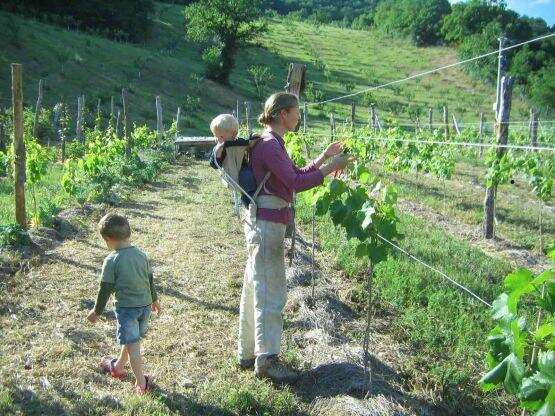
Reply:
x=274 y=104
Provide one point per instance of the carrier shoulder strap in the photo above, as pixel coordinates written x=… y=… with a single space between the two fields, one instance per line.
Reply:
x=254 y=141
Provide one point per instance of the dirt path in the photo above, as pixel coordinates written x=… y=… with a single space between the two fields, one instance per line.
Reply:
x=49 y=354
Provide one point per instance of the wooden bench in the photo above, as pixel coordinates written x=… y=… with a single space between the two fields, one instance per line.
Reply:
x=182 y=143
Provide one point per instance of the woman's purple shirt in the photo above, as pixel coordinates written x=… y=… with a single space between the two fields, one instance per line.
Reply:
x=270 y=155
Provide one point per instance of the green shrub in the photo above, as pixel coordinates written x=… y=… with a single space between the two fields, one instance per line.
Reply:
x=12 y=235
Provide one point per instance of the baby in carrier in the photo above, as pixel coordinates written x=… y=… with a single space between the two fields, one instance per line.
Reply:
x=231 y=156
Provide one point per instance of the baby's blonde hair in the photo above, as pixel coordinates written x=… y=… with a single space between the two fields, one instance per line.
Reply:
x=223 y=123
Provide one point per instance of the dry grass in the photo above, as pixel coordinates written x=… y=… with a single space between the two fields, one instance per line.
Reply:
x=49 y=353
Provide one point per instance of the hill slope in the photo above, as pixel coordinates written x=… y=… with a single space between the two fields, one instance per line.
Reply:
x=168 y=65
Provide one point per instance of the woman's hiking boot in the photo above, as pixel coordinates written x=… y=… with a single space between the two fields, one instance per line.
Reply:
x=269 y=366
x=246 y=364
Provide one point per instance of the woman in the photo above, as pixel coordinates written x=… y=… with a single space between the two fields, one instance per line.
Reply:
x=264 y=286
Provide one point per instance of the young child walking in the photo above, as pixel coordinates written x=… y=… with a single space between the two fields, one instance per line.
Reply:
x=126 y=273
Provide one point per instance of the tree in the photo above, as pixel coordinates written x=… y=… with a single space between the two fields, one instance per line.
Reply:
x=225 y=26
x=542 y=90
x=418 y=19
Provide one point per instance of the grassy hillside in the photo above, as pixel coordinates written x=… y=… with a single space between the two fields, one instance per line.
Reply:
x=168 y=65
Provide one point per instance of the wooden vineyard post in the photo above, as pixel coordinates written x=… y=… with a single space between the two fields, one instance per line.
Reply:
x=533 y=128
x=456 y=125
x=305 y=111
x=481 y=134
x=431 y=118
x=373 y=117
x=112 y=110
x=378 y=122
x=126 y=135
x=238 y=113
x=177 y=121
x=2 y=139
x=37 y=109
x=446 y=121
x=296 y=79
x=18 y=146
x=159 y=119
x=248 y=110
x=79 y=119
x=332 y=127
x=56 y=123
x=366 y=342
x=353 y=114
x=98 y=121
x=118 y=119
x=502 y=130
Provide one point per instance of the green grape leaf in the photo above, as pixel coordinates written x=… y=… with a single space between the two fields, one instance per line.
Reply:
x=378 y=253
x=499 y=344
x=364 y=177
x=500 y=309
x=534 y=388
x=323 y=204
x=337 y=187
x=338 y=211
x=519 y=280
x=546 y=364
x=545 y=330
x=510 y=372
x=548 y=301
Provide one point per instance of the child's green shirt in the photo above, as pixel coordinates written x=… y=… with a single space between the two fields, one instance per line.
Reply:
x=127 y=273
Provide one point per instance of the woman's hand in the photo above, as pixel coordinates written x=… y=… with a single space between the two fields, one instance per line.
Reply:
x=337 y=164
x=333 y=150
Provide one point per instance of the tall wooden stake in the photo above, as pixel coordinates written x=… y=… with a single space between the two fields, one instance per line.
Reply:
x=502 y=127
x=481 y=134
x=118 y=120
x=57 y=116
x=79 y=119
x=305 y=111
x=533 y=128
x=18 y=146
x=248 y=111
x=366 y=341
x=373 y=117
x=126 y=132
x=353 y=113
x=446 y=121
x=431 y=118
x=332 y=127
x=159 y=119
x=456 y=125
x=37 y=109
x=177 y=121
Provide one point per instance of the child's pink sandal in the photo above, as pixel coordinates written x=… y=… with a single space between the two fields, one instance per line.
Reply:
x=144 y=390
x=108 y=366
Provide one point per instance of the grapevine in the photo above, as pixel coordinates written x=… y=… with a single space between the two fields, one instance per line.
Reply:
x=522 y=358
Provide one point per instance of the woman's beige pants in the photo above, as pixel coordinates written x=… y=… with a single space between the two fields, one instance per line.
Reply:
x=264 y=291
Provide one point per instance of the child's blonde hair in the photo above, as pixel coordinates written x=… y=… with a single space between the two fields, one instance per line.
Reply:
x=223 y=123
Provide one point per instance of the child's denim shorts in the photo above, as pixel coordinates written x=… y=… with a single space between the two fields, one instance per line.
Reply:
x=132 y=324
